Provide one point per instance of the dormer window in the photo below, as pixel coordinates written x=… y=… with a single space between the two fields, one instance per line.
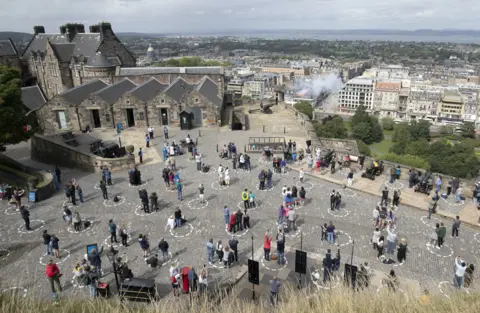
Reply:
x=127 y=101
x=162 y=101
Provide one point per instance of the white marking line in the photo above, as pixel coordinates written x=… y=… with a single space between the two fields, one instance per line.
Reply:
x=431 y=249
x=349 y=193
x=12 y=209
x=240 y=206
x=25 y=290
x=62 y=252
x=237 y=234
x=140 y=212
x=345 y=213
x=258 y=187
x=294 y=234
x=21 y=231
x=449 y=283
x=175 y=189
x=299 y=184
x=333 y=276
x=5 y=254
x=75 y=284
x=394 y=185
x=425 y=221
x=475 y=237
x=192 y=204
x=262 y=261
x=72 y=230
x=397 y=289
x=345 y=234
x=188 y=225
x=107 y=242
x=70 y=205
x=110 y=204
x=143 y=183
x=216 y=186
x=462 y=202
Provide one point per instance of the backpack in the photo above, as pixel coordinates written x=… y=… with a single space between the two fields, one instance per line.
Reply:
x=87 y=281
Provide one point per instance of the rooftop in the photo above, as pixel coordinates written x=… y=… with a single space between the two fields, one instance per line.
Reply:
x=78 y=94
x=361 y=81
x=33 y=98
x=148 y=90
x=128 y=71
x=7 y=48
x=112 y=93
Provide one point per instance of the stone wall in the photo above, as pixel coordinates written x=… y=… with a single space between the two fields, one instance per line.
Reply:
x=44 y=149
x=93 y=102
x=49 y=120
x=111 y=46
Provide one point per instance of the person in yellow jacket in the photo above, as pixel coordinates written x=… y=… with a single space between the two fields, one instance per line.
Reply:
x=245 y=199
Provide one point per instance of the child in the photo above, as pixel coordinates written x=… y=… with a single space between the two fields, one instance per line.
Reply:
x=317 y=164
x=324 y=232
x=301 y=174
x=201 y=191
x=283 y=165
x=251 y=199
x=227 y=176
x=78 y=273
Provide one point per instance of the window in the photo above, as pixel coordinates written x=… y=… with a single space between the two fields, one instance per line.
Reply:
x=61 y=119
x=162 y=101
x=127 y=101
x=196 y=100
x=141 y=116
x=107 y=117
x=175 y=115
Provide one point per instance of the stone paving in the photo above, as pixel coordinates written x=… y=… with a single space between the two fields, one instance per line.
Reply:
x=24 y=250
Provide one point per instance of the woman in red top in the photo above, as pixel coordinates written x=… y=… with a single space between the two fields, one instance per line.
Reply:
x=53 y=274
x=185 y=279
x=267 y=244
x=233 y=221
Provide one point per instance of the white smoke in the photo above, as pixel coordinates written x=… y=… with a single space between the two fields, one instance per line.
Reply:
x=329 y=83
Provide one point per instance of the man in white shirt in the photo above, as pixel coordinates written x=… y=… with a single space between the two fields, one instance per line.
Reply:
x=170 y=223
x=150 y=132
x=391 y=240
x=292 y=217
x=301 y=174
x=188 y=139
x=198 y=160
x=460 y=267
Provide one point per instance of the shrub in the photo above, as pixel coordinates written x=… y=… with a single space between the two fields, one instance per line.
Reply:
x=387 y=123
x=407 y=159
x=363 y=148
x=305 y=108
x=130 y=149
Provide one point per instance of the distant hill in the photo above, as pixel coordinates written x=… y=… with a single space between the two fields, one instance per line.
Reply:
x=15 y=36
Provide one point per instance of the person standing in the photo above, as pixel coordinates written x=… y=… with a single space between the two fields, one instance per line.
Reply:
x=274 y=289
x=281 y=213
x=58 y=172
x=91 y=279
x=330 y=233
x=468 y=277
x=280 y=247
x=301 y=175
x=393 y=173
x=113 y=231
x=46 y=242
x=226 y=216
x=210 y=251
x=292 y=217
x=456 y=226
x=150 y=132
x=165 y=131
x=147 y=141
x=103 y=187
x=350 y=178
x=80 y=193
x=327 y=266
x=53 y=275
x=267 y=245
x=391 y=240
x=396 y=198
x=26 y=217
x=108 y=176
x=460 y=268
x=55 y=247
x=432 y=203
x=441 y=233
x=198 y=160
x=95 y=260
x=233 y=244
x=332 y=200
x=402 y=251
x=245 y=199
x=438 y=184
x=124 y=236
x=140 y=154
x=384 y=197
x=163 y=247
x=179 y=190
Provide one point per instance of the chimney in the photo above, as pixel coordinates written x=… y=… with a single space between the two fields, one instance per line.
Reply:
x=63 y=30
x=220 y=88
x=105 y=29
x=38 y=30
x=73 y=29
x=94 y=29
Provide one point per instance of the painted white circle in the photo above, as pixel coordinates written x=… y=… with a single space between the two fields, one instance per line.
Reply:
x=12 y=209
x=196 y=204
x=25 y=291
x=475 y=237
x=462 y=202
x=4 y=253
x=262 y=261
x=344 y=234
x=240 y=171
x=396 y=185
x=426 y=221
x=238 y=234
x=346 y=192
x=21 y=229
x=140 y=212
x=68 y=204
x=109 y=203
x=391 y=206
x=216 y=186
x=210 y=172
x=286 y=172
x=57 y=261
x=107 y=242
x=258 y=205
x=262 y=160
x=306 y=185
x=291 y=234
x=170 y=257
x=97 y=186
x=258 y=187
x=143 y=183
x=450 y=283
x=186 y=225
x=75 y=283
x=335 y=279
x=174 y=188
x=340 y=213
x=191 y=159
x=432 y=249
x=72 y=230
x=396 y=289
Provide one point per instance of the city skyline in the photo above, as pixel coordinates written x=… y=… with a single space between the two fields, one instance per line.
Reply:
x=148 y=16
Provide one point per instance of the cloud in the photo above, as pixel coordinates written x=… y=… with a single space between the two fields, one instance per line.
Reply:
x=208 y=15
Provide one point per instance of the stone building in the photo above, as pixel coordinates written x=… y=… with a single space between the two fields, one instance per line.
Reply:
x=61 y=61
x=62 y=112
x=8 y=54
x=100 y=109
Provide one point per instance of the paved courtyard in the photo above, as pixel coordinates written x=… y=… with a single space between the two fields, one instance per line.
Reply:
x=22 y=259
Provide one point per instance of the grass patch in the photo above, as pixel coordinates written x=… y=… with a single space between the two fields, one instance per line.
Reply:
x=381 y=147
x=388 y=132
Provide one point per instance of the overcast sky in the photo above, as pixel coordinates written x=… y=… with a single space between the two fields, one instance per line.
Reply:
x=159 y=16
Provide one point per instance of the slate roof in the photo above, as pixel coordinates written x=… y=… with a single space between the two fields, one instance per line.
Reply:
x=98 y=60
x=113 y=92
x=63 y=51
x=84 y=44
x=179 y=89
x=148 y=90
x=128 y=71
x=78 y=94
x=7 y=48
x=209 y=90
x=33 y=98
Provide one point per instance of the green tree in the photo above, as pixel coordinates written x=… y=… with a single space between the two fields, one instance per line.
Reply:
x=331 y=127
x=365 y=127
x=419 y=130
x=468 y=130
x=363 y=132
x=305 y=107
x=363 y=148
x=401 y=131
x=419 y=148
x=388 y=123
x=13 y=117
x=377 y=131
x=361 y=115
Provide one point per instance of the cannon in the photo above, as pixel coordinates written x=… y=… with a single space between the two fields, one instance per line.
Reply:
x=264 y=108
x=329 y=157
x=425 y=185
x=370 y=172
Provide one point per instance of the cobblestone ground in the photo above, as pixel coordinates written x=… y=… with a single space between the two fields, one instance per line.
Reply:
x=22 y=260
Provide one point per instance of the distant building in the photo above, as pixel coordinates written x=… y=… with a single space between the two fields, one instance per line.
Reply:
x=450 y=108
x=151 y=57
x=386 y=99
x=356 y=92
x=392 y=72
x=423 y=103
